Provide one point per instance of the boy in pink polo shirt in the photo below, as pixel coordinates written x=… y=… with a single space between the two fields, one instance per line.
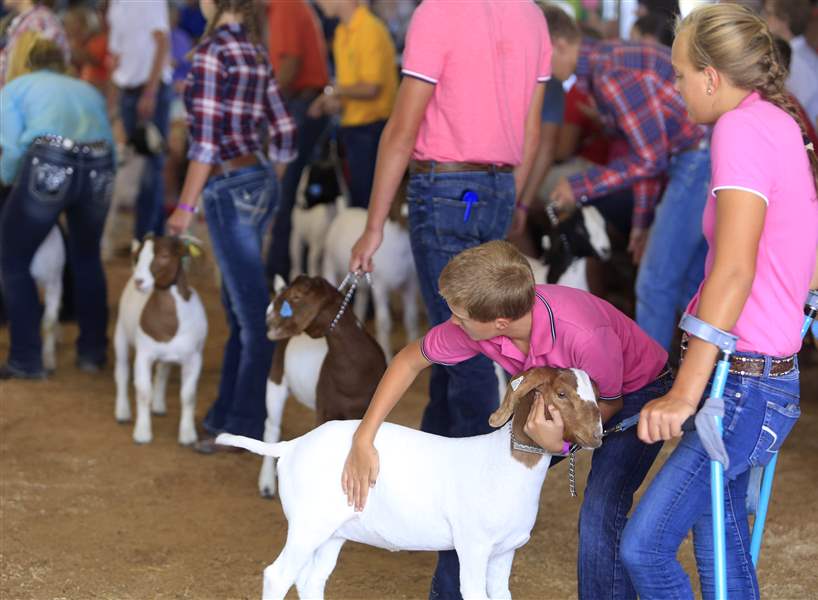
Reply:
x=520 y=325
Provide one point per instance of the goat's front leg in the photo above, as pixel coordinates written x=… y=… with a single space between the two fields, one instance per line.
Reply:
x=498 y=573
x=51 y=297
x=159 y=405
x=191 y=369
x=411 y=295
x=142 y=433
x=122 y=410
x=383 y=319
x=276 y=398
x=474 y=558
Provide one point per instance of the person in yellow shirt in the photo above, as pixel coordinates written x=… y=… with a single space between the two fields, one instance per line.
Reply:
x=365 y=88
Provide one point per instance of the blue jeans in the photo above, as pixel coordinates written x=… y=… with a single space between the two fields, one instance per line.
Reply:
x=461 y=397
x=238 y=208
x=673 y=265
x=150 y=203
x=361 y=150
x=309 y=132
x=52 y=180
x=759 y=413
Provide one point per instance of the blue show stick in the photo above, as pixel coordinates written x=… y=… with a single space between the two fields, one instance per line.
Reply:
x=469 y=197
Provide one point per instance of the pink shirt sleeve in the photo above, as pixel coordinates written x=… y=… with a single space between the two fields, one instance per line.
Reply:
x=599 y=353
x=741 y=156
x=426 y=43
x=447 y=344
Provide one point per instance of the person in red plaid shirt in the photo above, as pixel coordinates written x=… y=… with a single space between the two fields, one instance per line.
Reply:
x=232 y=101
x=632 y=85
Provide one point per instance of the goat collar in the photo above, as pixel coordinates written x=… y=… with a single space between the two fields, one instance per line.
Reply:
x=522 y=447
x=534 y=449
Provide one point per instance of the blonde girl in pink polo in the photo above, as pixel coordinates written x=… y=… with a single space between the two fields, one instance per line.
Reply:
x=761 y=224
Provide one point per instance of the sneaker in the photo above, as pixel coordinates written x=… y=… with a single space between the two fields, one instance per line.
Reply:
x=9 y=372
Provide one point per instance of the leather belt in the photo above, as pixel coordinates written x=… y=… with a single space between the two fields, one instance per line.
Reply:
x=428 y=166
x=239 y=162
x=754 y=366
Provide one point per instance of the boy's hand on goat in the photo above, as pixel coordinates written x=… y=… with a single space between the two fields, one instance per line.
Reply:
x=360 y=473
x=662 y=418
x=546 y=433
x=364 y=249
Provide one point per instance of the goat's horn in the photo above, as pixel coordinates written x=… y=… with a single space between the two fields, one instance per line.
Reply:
x=517 y=388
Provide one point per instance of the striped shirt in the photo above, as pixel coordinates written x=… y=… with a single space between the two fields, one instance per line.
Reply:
x=232 y=100
x=633 y=86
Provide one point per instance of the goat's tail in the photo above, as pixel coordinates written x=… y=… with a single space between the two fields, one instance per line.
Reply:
x=253 y=445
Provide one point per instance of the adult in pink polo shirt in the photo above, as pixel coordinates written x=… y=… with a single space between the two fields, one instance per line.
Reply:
x=570 y=329
x=466 y=124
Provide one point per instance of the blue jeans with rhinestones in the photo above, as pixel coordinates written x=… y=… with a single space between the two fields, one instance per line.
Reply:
x=238 y=208
x=53 y=180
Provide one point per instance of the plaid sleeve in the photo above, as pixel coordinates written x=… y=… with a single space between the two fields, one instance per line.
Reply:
x=207 y=82
x=638 y=114
x=645 y=198
x=282 y=126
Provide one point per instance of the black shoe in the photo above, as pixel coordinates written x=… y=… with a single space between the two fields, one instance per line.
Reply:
x=9 y=372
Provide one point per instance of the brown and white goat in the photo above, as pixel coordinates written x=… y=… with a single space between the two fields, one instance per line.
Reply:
x=332 y=371
x=162 y=317
x=476 y=495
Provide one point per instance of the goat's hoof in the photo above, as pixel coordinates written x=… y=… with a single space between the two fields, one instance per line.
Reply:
x=142 y=442
x=267 y=493
x=123 y=420
x=159 y=413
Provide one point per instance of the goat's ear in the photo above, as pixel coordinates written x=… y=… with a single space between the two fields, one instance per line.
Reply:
x=279 y=284
x=517 y=388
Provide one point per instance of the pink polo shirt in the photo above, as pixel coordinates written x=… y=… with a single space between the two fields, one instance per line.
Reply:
x=570 y=328
x=757 y=147
x=485 y=57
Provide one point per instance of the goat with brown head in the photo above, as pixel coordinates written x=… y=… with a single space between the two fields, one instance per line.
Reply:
x=571 y=391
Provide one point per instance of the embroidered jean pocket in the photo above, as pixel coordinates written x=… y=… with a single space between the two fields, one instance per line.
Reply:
x=778 y=422
x=49 y=183
x=252 y=202
x=102 y=186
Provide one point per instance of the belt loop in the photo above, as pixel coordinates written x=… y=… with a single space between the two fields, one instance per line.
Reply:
x=432 y=171
x=768 y=365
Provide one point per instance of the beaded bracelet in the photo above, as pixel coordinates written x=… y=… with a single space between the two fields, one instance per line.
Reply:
x=521 y=207
x=188 y=208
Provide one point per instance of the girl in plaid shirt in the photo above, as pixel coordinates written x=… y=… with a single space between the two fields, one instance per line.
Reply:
x=232 y=101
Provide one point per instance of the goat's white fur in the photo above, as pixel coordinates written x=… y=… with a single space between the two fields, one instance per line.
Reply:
x=433 y=493
x=393 y=270
x=184 y=348
x=303 y=358
x=46 y=269
x=309 y=228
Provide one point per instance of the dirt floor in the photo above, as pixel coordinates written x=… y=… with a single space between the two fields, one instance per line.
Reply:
x=86 y=513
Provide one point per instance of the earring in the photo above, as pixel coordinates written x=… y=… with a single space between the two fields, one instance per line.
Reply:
x=709 y=91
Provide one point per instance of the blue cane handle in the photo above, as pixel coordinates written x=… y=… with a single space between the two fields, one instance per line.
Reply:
x=812 y=302
x=724 y=341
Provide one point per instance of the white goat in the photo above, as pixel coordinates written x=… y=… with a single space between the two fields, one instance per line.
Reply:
x=164 y=319
x=478 y=495
x=46 y=269
x=394 y=270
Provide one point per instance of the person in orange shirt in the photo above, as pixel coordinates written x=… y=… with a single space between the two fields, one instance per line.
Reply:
x=299 y=58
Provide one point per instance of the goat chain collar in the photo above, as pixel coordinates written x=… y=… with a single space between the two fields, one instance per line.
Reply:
x=555 y=223
x=533 y=449
x=351 y=279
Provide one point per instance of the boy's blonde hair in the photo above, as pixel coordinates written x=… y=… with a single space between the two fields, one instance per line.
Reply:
x=33 y=52
x=490 y=281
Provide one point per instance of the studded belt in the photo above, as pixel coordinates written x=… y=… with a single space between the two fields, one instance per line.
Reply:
x=754 y=366
x=97 y=148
